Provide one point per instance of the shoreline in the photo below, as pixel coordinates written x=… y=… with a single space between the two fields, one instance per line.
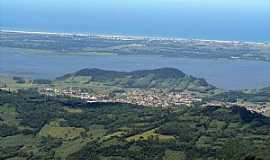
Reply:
x=134 y=37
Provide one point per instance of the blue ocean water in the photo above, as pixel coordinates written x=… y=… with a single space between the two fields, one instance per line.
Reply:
x=185 y=20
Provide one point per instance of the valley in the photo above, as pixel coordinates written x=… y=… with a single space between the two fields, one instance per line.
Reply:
x=148 y=113
x=34 y=126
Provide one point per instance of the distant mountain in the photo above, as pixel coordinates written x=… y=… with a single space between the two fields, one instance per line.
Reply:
x=169 y=78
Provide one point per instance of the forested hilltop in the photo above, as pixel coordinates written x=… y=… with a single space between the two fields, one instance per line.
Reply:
x=164 y=78
x=33 y=126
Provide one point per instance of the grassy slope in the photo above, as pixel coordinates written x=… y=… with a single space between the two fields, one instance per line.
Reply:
x=150 y=134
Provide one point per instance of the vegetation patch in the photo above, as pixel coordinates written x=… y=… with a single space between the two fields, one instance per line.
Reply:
x=78 y=79
x=54 y=130
x=73 y=110
x=174 y=155
x=8 y=115
x=17 y=140
x=96 y=131
x=150 y=134
x=115 y=134
x=69 y=147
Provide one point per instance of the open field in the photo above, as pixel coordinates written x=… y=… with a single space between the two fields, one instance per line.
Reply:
x=54 y=130
x=173 y=155
x=150 y=134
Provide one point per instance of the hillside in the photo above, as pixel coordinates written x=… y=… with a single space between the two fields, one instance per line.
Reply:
x=257 y=100
x=37 y=127
x=168 y=78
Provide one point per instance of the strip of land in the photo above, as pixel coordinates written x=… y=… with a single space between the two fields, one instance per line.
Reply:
x=135 y=45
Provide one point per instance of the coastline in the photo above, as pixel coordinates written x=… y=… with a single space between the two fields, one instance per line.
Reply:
x=134 y=37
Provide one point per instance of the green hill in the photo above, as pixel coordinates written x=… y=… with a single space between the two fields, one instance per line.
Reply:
x=168 y=78
x=37 y=127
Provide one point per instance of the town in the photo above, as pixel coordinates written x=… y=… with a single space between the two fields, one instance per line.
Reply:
x=143 y=97
x=147 y=97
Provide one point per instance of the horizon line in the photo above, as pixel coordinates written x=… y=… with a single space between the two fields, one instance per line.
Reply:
x=132 y=37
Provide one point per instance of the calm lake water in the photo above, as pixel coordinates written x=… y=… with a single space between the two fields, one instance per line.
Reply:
x=227 y=74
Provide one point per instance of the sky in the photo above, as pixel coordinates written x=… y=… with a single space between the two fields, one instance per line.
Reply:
x=236 y=4
x=214 y=19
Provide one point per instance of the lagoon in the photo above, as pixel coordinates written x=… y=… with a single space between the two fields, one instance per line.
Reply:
x=223 y=73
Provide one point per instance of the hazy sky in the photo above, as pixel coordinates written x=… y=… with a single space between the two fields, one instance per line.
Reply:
x=249 y=4
x=185 y=18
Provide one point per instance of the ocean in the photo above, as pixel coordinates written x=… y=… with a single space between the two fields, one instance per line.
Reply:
x=129 y=18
